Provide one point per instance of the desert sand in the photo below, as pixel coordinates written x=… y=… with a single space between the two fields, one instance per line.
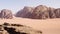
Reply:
x=47 y=26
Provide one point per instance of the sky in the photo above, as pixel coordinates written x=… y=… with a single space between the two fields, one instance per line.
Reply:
x=16 y=5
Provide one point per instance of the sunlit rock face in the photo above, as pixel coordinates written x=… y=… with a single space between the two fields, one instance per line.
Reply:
x=26 y=12
x=7 y=28
x=52 y=13
x=57 y=13
x=40 y=12
x=5 y=13
x=0 y=14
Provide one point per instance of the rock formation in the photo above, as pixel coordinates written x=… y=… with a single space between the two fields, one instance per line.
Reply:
x=26 y=12
x=57 y=13
x=52 y=13
x=39 y=12
x=7 y=28
x=5 y=13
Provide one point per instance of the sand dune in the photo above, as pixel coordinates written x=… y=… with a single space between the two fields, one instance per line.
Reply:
x=48 y=26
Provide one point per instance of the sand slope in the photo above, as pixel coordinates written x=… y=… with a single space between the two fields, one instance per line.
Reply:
x=48 y=26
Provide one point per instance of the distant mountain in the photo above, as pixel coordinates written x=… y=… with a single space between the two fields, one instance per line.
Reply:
x=6 y=14
x=26 y=12
x=39 y=12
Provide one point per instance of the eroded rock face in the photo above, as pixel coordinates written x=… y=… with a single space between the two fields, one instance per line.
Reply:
x=52 y=12
x=57 y=13
x=26 y=12
x=0 y=15
x=5 y=13
x=14 y=29
x=40 y=12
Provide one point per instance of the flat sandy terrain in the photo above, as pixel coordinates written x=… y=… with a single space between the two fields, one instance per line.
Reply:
x=48 y=26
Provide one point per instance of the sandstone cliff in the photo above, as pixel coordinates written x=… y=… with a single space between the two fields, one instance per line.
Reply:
x=39 y=12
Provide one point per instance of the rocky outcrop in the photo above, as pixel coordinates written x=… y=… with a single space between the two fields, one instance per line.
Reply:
x=7 y=28
x=52 y=12
x=5 y=13
x=57 y=13
x=39 y=12
x=26 y=12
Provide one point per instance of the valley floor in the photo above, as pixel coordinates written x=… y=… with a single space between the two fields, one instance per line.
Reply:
x=48 y=26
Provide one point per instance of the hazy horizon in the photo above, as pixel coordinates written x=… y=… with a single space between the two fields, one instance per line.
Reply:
x=16 y=5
